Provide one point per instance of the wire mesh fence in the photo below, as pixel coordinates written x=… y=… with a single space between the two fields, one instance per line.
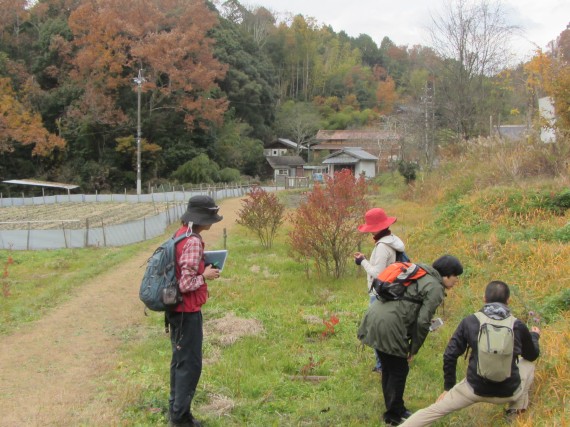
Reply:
x=85 y=230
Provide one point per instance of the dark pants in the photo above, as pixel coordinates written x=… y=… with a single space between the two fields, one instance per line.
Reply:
x=394 y=373
x=186 y=365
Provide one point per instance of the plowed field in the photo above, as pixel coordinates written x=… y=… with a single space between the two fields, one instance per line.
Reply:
x=51 y=216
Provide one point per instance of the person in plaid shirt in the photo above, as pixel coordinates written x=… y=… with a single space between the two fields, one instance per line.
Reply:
x=185 y=320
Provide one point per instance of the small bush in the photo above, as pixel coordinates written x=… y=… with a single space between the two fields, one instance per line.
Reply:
x=262 y=213
x=408 y=170
x=198 y=170
x=229 y=175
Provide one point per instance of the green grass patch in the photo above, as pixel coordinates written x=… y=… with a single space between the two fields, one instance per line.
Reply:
x=36 y=281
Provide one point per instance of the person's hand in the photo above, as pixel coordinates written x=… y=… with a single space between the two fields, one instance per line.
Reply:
x=359 y=257
x=441 y=396
x=535 y=329
x=211 y=273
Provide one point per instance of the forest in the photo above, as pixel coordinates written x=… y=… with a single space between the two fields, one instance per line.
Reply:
x=197 y=88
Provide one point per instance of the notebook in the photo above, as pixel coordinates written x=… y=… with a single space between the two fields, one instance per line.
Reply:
x=216 y=258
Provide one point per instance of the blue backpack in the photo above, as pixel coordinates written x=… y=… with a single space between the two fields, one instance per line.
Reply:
x=402 y=257
x=159 y=286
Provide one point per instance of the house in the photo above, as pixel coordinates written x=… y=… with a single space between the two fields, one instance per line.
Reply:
x=281 y=147
x=283 y=159
x=547 y=116
x=286 y=166
x=356 y=159
x=383 y=144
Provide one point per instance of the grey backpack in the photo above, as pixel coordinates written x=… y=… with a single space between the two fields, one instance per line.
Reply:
x=495 y=347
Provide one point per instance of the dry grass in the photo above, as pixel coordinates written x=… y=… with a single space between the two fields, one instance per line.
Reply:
x=538 y=269
x=227 y=330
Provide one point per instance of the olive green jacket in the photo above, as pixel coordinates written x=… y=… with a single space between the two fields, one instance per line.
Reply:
x=399 y=328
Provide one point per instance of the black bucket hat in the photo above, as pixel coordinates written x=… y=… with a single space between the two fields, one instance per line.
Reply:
x=202 y=210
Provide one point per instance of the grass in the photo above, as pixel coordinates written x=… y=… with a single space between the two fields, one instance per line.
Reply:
x=262 y=379
x=37 y=281
x=254 y=381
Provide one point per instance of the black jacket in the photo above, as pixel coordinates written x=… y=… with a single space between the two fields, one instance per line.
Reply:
x=526 y=345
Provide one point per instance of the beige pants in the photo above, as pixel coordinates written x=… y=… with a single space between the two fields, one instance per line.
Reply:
x=462 y=396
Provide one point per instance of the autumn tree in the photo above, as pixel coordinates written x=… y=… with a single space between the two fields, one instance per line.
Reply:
x=473 y=39
x=173 y=49
x=20 y=125
x=325 y=225
x=386 y=95
x=168 y=42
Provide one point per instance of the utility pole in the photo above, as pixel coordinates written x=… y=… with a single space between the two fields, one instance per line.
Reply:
x=139 y=81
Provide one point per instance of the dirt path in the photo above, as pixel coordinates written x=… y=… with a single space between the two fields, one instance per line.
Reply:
x=48 y=370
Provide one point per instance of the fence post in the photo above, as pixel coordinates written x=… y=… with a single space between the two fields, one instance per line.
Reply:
x=64 y=237
x=104 y=237
x=28 y=239
x=225 y=238
x=168 y=214
x=144 y=228
x=86 y=232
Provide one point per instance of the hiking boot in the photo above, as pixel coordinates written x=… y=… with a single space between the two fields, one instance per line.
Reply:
x=377 y=369
x=397 y=421
x=192 y=423
x=392 y=422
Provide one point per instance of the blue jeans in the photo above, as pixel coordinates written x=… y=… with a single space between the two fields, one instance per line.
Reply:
x=186 y=337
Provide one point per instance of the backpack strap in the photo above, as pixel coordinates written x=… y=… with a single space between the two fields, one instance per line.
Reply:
x=177 y=239
x=410 y=299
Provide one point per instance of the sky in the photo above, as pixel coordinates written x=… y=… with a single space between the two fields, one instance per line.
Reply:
x=405 y=22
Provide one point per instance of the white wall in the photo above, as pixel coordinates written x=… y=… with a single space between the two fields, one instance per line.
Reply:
x=546 y=109
x=368 y=167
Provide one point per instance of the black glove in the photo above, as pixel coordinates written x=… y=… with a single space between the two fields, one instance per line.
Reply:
x=358 y=261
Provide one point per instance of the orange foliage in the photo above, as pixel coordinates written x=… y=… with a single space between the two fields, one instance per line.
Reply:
x=113 y=42
x=386 y=95
x=550 y=75
x=20 y=125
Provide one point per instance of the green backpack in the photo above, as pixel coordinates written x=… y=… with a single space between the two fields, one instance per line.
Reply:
x=495 y=347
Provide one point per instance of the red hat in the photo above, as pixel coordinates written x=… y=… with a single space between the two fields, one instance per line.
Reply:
x=376 y=220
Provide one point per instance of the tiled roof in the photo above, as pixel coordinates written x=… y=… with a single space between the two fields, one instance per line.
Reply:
x=349 y=155
x=277 y=161
x=356 y=135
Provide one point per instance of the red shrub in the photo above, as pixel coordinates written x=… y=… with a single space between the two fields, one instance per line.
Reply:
x=325 y=225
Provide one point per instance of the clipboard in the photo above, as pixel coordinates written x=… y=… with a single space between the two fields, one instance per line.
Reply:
x=216 y=258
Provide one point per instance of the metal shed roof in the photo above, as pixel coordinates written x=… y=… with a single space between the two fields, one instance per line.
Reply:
x=37 y=183
x=276 y=161
x=355 y=153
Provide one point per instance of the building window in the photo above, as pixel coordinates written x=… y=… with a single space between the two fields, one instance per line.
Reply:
x=283 y=172
x=275 y=152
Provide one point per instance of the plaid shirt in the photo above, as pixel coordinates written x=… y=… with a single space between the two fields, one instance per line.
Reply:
x=189 y=262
